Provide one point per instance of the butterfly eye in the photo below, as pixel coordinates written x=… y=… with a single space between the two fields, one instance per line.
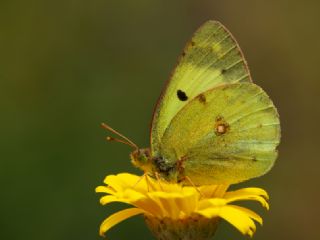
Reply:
x=182 y=95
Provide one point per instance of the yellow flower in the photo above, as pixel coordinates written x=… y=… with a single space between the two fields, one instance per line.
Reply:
x=172 y=210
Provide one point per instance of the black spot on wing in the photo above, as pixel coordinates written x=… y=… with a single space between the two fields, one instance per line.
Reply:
x=182 y=95
x=223 y=71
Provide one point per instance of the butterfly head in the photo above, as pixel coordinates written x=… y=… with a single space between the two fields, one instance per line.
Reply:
x=141 y=158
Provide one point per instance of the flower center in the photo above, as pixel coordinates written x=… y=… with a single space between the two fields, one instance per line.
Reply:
x=193 y=227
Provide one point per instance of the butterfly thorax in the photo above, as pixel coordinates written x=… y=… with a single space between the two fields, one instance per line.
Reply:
x=142 y=158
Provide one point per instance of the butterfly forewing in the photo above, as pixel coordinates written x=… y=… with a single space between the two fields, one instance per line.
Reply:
x=210 y=59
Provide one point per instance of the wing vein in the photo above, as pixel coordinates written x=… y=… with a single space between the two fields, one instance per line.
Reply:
x=248 y=114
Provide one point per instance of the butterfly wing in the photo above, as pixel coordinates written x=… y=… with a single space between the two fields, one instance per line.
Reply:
x=225 y=135
x=210 y=59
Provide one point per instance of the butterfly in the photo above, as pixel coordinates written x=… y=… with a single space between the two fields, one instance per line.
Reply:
x=211 y=124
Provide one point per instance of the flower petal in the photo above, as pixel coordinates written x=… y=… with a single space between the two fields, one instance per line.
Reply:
x=189 y=202
x=211 y=203
x=118 y=217
x=256 y=194
x=104 y=189
x=166 y=203
x=132 y=195
x=209 y=191
x=209 y=212
x=150 y=206
x=121 y=181
x=250 y=213
x=109 y=199
x=239 y=218
x=248 y=191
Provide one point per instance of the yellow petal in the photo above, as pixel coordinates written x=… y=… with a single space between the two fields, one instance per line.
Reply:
x=189 y=202
x=210 y=191
x=150 y=206
x=209 y=212
x=121 y=181
x=104 y=189
x=110 y=198
x=239 y=218
x=171 y=187
x=112 y=182
x=118 y=217
x=174 y=204
x=256 y=194
x=132 y=195
x=250 y=213
x=248 y=191
x=211 y=203
x=166 y=202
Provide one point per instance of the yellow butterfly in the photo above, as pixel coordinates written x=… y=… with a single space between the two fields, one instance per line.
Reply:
x=211 y=125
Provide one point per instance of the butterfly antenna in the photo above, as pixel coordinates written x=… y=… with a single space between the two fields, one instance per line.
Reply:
x=124 y=139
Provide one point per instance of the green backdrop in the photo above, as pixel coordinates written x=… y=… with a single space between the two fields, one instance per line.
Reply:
x=66 y=66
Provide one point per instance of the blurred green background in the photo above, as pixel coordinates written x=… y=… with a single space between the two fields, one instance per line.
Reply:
x=66 y=66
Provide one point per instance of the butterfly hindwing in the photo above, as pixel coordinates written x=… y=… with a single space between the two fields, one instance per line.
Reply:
x=225 y=135
x=210 y=59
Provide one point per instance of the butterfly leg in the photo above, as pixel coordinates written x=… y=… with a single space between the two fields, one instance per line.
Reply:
x=147 y=181
x=192 y=184
x=144 y=176
x=157 y=175
x=180 y=167
x=139 y=180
